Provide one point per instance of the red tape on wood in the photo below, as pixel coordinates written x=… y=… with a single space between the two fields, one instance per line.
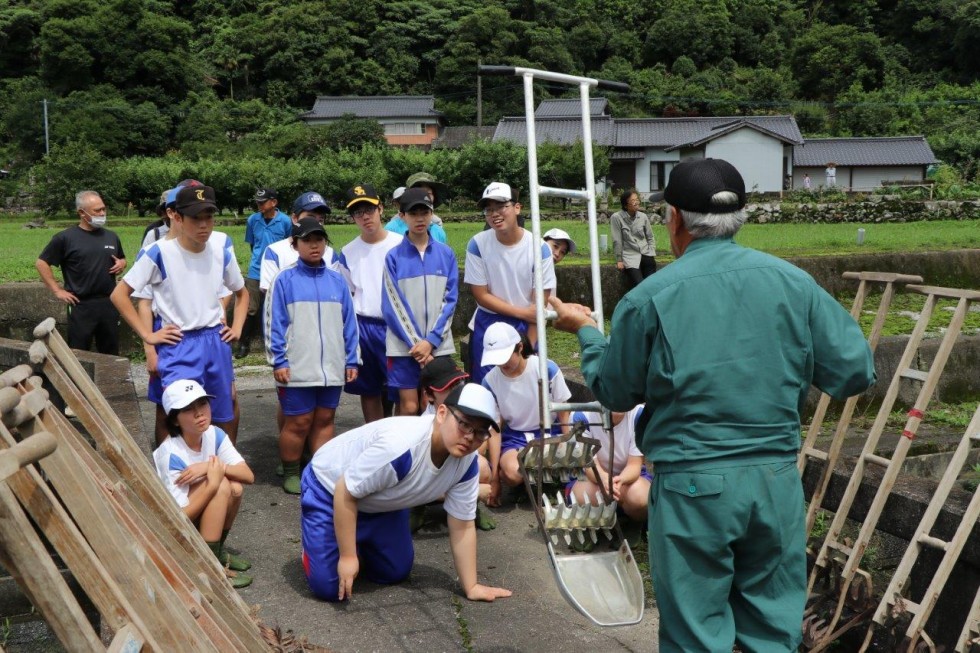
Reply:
x=916 y=413
x=908 y=434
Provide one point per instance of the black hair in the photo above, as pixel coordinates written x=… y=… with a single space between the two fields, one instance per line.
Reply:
x=525 y=344
x=173 y=426
x=625 y=197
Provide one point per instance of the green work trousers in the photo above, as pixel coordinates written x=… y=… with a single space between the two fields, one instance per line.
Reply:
x=728 y=557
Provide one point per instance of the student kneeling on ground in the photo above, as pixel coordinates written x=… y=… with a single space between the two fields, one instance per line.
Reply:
x=359 y=487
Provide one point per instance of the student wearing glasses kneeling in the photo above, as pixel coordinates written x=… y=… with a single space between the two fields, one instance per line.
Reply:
x=359 y=487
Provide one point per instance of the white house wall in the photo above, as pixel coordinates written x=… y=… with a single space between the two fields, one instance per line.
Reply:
x=757 y=156
x=642 y=173
x=860 y=177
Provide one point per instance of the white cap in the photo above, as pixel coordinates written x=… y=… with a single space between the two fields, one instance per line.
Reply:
x=181 y=394
x=560 y=234
x=398 y=193
x=498 y=191
x=476 y=401
x=499 y=341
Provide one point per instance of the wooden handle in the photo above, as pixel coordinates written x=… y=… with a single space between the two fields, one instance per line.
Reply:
x=26 y=452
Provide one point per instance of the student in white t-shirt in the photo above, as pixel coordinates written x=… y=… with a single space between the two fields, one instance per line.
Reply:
x=359 y=487
x=513 y=380
x=362 y=263
x=631 y=480
x=187 y=275
x=281 y=254
x=500 y=271
x=203 y=471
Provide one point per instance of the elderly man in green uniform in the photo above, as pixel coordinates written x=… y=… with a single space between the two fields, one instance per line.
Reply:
x=722 y=345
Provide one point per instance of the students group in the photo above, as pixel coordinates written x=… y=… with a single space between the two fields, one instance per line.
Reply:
x=374 y=317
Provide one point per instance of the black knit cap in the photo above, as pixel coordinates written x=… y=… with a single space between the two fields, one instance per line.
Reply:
x=694 y=183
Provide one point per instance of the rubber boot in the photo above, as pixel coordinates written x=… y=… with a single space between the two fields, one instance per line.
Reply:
x=291 y=480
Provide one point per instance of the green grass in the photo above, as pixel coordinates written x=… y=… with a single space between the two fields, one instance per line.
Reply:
x=900 y=321
x=21 y=246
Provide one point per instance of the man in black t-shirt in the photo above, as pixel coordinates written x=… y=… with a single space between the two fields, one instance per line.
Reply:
x=90 y=257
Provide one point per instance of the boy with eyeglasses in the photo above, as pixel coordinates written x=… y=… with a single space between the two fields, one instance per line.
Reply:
x=500 y=272
x=359 y=487
x=362 y=263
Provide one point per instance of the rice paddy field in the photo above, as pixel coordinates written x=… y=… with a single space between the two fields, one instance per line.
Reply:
x=19 y=246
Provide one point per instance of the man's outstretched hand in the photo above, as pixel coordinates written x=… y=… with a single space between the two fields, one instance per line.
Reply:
x=571 y=317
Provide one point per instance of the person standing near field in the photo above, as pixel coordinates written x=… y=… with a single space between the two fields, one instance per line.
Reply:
x=722 y=347
x=90 y=256
x=633 y=243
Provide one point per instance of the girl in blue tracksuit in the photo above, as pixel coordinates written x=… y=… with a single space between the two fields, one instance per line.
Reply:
x=312 y=345
x=419 y=292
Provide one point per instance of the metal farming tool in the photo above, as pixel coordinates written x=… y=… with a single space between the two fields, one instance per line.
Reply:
x=606 y=587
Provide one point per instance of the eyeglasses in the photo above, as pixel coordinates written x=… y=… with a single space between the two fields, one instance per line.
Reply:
x=360 y=213
x=480 y=435
x=490 y=210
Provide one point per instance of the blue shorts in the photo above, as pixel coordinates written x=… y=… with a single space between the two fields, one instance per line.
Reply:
x=384 y=541
x=372 y=372
x=300 y=401
x=481 y=322
x=513 y=439
x=201 y=355
x=403 y=372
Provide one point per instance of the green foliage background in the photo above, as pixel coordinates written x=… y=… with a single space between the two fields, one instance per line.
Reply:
x=224 y=80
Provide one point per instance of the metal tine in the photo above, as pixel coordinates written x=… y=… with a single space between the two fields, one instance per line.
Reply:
x=548 y=456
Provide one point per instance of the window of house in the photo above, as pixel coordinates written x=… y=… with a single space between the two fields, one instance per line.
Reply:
x=404 y=129
x=657 y=175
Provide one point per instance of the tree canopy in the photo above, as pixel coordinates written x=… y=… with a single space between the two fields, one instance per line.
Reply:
x=228 y=77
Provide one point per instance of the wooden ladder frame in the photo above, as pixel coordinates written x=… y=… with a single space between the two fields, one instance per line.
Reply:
x=893 y=600
x=969 y=639
x=829 y=457
x=833 y=550
x=134 y=553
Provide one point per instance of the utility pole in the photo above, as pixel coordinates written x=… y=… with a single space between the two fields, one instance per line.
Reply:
x=47 y=145
x=479 y=95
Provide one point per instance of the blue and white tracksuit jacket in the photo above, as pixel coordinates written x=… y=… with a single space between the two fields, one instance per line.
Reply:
x=311 y=327
x=419 y=297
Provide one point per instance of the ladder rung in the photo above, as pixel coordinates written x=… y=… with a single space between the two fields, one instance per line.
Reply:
x=840 y=546
x=908 y=606
x=567 y=193
x=934 y=542
x=918 y=375
x=815 y=453
x=877 y=460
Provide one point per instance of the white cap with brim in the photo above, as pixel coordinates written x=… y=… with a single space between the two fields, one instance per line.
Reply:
x=181 y=394
x=499 y=341
x=476 y=401
x=560 y=234
x=497 y=191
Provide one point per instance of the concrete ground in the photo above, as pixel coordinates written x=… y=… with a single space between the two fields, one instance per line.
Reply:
x=427 y=612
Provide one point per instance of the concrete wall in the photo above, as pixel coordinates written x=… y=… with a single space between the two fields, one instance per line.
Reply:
x=757 y=156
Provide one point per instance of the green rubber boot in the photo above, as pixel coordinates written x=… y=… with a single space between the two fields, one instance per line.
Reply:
x=483 y=519
x=291 y=480
x=238 y=580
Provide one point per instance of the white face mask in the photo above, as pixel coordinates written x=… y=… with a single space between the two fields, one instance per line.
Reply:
x=97 y=221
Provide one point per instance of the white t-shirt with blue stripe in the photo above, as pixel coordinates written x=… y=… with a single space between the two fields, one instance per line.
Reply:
x=387 y=465
x=174 y=456
x=624 y=435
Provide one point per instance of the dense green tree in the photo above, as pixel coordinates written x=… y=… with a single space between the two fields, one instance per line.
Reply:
x=353 y=133
x=829 y=59
x=699 y=29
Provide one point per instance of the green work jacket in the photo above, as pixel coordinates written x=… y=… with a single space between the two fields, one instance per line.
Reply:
x=722 y=345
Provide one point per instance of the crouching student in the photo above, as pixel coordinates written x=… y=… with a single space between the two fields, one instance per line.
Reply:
x=631 y=480
x=203 y=471
x=514 y=382
x=359 y=487
x=311 y=343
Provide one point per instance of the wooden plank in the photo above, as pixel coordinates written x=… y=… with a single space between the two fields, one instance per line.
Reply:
x=59 y=529
x=136 y=575
x=24 y=556
x=120 y=449
x=946 y=293
x=126 y=640
x=213 y=587
x=883 y=277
